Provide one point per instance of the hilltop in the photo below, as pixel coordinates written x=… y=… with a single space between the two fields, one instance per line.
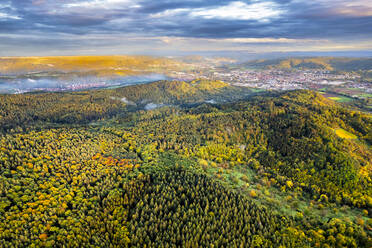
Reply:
x=321 y=63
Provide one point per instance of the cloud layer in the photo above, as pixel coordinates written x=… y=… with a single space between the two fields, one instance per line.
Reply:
x=132 y=26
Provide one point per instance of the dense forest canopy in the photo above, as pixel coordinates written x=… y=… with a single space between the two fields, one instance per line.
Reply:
x=104 y=168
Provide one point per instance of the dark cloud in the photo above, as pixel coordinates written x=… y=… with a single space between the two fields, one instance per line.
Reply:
x=318 y=19
x=159 y=6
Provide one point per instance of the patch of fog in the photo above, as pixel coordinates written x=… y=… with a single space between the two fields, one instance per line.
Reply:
x=212 y=101
x=124 y=100
x=151 y=106
x=242 y=147
x=11 y=85
x=144 y=101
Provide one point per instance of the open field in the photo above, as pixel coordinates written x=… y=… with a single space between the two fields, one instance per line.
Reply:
x=340 y=99
x=344 y=134
x=336 y=98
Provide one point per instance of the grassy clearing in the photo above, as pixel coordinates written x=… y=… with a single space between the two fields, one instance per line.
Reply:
x=323 y=90
x=335 y=98
x=236 y=177
x=353 y=89
x=344 y=134
x=366 y=95
x=340 y=98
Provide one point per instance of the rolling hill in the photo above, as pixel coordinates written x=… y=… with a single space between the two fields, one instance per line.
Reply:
x=322 y=63
x=86 y=65
x=86 y=106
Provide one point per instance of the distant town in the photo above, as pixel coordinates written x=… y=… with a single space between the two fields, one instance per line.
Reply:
x=277 y=79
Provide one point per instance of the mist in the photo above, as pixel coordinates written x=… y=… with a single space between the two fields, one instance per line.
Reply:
x=16 y=85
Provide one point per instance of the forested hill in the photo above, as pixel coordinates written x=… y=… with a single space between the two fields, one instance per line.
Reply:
x=289 y=169
x=321 y=63
x=87 y=106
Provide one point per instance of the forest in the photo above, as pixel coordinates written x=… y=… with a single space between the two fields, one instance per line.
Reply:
x=99 y=169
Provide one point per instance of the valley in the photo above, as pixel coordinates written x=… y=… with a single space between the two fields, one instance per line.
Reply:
x=332 y=77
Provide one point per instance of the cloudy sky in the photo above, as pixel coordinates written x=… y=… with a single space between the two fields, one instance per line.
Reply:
x=65 y=27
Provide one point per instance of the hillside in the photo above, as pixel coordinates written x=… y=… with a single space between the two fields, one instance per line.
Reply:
x=86 y=106
x=289 y=169
x=321 y=63
x=86 y=65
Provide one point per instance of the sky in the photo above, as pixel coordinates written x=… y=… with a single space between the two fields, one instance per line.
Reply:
x=171 y=27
